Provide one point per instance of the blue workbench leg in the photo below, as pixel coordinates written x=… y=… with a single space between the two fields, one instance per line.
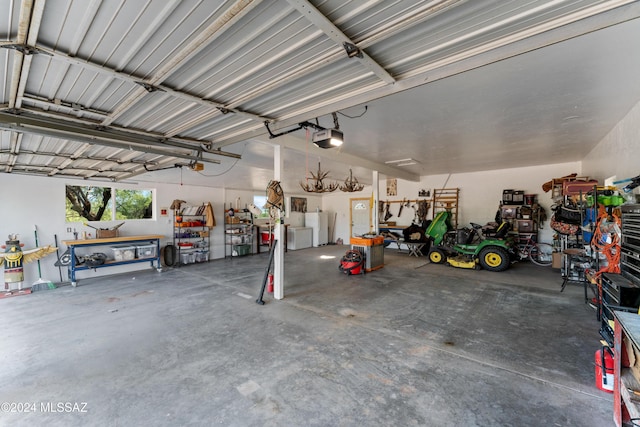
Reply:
x=157 y=259
x=72 y=267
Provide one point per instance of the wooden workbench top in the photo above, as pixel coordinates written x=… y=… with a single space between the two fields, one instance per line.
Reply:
x=88 y=242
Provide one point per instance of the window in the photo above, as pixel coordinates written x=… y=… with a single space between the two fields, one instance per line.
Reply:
x=90 y=203
x=260 y=202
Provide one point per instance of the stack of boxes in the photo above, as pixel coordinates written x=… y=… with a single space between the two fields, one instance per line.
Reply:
x=517 y=210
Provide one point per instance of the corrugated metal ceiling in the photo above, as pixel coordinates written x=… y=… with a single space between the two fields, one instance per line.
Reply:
x=101 y=89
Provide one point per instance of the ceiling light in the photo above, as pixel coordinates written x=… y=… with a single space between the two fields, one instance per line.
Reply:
x=402 y=162
x=327 y=138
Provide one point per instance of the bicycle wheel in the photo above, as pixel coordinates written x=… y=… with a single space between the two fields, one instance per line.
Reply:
x=541 y=254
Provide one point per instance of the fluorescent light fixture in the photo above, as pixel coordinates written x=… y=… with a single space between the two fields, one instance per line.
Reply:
x=402 y=162
x=327 y=138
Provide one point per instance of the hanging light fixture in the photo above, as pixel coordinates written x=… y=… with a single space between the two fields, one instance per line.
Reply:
x=351 y=184
x=317 y=185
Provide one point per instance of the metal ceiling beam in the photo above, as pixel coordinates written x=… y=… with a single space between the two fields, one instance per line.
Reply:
x=334 y=33
x=109 y=138
x=24 y=21
x=35 y=21
x=73 y=156
x=187 y=143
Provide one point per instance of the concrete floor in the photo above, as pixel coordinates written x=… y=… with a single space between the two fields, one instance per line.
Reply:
x=412 y=344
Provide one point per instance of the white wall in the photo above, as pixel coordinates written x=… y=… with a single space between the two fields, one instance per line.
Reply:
x=30 y=200
x=480 y=194
x=618 y=152
x=338 y=205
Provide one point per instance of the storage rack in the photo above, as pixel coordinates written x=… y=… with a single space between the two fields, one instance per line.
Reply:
x=191 y=235
x=239 y=233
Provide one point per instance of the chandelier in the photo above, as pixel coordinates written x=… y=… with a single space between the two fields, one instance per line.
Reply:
x=351 y=184
x=317 y=185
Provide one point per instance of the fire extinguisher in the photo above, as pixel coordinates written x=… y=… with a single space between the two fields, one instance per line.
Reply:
x=270 y=283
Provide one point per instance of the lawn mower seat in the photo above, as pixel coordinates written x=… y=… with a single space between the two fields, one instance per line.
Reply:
x=502 y=230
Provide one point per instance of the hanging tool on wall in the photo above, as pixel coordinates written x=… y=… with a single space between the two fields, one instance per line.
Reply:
x=404 y=201
x=41 y=284
x=633 y=183
x=387 y=214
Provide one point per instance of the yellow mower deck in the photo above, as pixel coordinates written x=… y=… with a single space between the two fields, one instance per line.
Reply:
x=462 y=262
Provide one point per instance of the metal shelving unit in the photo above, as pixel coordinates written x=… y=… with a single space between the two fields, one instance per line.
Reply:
x=191 y=236
x=239 y=233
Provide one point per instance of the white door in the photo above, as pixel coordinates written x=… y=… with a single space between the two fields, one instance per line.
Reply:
x=360 y=216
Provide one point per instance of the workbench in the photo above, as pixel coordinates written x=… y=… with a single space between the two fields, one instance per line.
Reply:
x=73 y=245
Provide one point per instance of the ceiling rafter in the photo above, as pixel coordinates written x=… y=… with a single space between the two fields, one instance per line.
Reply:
x=80 y=157
x=49 y=170
x=187 y=143
x=107 y=137
x=334 y=33
x=14 y=150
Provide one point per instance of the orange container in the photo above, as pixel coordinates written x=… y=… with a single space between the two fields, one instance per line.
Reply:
x=367 y=241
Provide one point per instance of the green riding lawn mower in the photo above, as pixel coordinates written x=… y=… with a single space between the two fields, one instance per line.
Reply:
x=469 y=248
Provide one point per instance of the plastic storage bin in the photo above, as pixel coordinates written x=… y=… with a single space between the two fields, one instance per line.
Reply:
x=146 y=251
x=202 y=256
x=123 y=252
x=240 y=250
x=188 y=257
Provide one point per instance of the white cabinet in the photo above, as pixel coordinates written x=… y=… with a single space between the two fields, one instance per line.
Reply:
x=319 y=223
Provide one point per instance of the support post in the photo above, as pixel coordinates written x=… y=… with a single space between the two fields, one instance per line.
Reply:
x=278 y=262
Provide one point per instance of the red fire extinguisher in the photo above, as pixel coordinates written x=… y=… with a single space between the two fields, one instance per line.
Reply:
x=604 y=369
x=270 y=283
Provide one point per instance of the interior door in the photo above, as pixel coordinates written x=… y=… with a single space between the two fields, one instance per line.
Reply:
x=360 y=216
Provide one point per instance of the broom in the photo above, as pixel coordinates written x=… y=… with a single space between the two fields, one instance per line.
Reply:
x=40 y=284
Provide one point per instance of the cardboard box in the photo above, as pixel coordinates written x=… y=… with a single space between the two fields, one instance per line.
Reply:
x=556 y=260
x=102 y=233
x=526 y=226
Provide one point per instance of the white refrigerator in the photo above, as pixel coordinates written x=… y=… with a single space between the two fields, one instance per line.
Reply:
x=319 y=223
